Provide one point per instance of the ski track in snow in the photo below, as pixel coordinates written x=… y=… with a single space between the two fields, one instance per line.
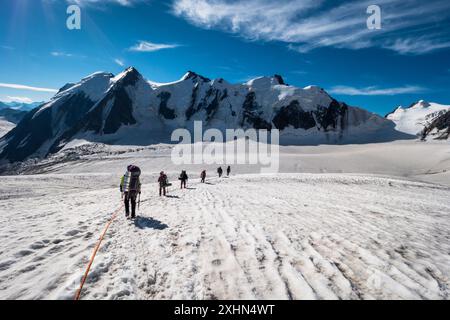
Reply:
x=290 y=236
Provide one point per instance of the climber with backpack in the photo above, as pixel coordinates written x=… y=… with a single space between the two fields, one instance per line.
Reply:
x=228 y=171
x=219 y=171
x=130 y=187
x=203 y=176
x=183 y=178
x=163 y=183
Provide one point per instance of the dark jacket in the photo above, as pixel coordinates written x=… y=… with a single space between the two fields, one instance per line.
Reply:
x=183 y=176
x=162 y=180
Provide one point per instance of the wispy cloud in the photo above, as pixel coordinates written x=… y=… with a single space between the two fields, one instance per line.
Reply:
x=299 y=72
x=127 y=3
x=18 y=99
x=7 y=47
x=310 y=24
x=416 y=46
x=376 y=91
x=120 y=62
x=24 y=87
x=147 y=46
x=61 y=54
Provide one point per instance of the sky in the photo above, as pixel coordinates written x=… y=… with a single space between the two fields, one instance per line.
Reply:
x=308 y=42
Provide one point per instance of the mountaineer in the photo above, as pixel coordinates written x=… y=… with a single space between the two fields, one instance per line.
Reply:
x=130 y=187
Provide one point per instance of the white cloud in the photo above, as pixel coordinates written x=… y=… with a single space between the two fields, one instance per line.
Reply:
x=146 y=46
x=299 y=72
x=310 y=24
x=61 y=54
x=23 y=87
x=416 y=46
x=120 y=62
x=127 y=3
x=18 y=99
x=375 y=91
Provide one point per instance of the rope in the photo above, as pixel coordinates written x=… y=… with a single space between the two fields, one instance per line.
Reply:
x=97 y=247
x=86 y=273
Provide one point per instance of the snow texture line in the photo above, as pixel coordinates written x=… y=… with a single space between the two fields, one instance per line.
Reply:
x=88 y=268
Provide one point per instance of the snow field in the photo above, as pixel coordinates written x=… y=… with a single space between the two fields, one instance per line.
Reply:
x=290 y=236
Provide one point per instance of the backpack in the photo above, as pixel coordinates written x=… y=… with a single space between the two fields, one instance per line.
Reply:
x=131 y=179
x=164 y=181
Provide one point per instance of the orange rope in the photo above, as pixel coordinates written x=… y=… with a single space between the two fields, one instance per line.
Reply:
x=86 y=273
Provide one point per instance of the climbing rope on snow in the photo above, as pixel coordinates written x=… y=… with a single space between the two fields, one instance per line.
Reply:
x=97 y=246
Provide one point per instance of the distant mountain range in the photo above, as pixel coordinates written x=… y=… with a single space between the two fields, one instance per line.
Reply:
x=22 y=106
x=128 y=109
x=12 y=115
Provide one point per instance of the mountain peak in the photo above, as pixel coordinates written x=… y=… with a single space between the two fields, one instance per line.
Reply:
x=279 y=79
x=420 y=104
x=128 y=77
x=194 y=76
x=98 y=74
x=131 y=70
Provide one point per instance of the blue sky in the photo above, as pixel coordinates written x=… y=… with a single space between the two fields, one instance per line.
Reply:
x=325 y=43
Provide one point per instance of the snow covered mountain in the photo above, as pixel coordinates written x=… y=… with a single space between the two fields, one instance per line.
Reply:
x=127 y=109
x=417 y=117
x=439 y=128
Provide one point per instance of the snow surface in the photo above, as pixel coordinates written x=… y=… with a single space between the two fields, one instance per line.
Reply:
x=414 y=119
x=5 y=126
x=362 y=226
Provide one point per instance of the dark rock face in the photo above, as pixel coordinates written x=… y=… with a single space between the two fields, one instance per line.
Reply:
x=324 y=118
x=130 y=79
x=332 y=116
x=121 y=113
x=224 y=95
x=210 y=106
x=293 y=115
x=213 y=105
x=72 y=110
x=121 y=110
x=165 y=111
x=252 y=114
x=28 y=136
x=192 y=109
x=442 y=124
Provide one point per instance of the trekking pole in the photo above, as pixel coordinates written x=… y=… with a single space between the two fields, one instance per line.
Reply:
x=139 y=202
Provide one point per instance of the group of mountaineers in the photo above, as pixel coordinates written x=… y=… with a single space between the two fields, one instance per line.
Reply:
x=130 y=186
